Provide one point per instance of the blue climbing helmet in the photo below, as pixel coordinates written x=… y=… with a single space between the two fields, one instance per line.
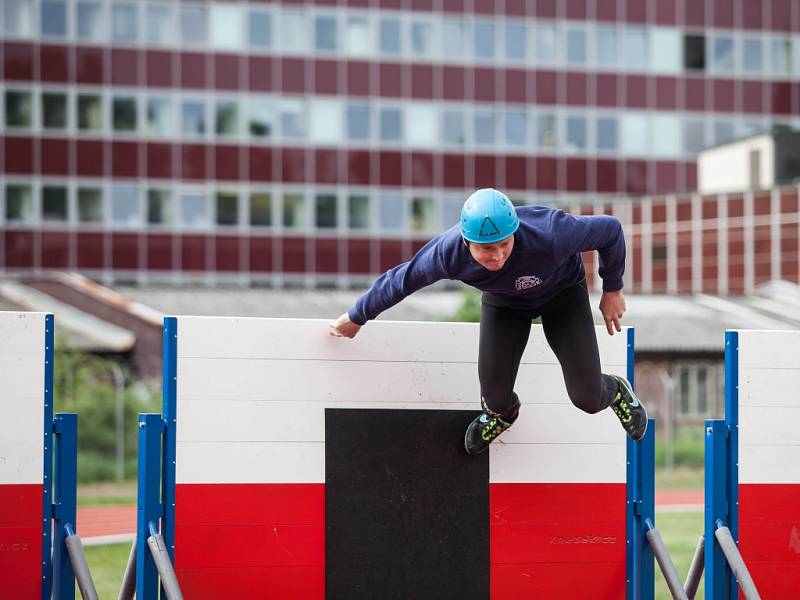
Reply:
x=488 y=217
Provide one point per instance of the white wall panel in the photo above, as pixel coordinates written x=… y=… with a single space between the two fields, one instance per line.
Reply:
x=249 y=421
x=769 y=425
x=22 y=367
x=769 y=387
x=557 y=463
x=769 y=349
x=769 y=464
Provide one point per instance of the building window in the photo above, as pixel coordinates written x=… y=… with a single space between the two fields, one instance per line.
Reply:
x=18 y=18
x=358 y=214
x=90 y=112
x=635 y=134
x=357 y=36
x=193 y=118
x=54 y=203
x=546 y=133
x=54 y=18
x=54 y=110
x=451 y=210
x=90 y=205
x=19 y=109
x=546 y=44
x=453 y=127
x=125 y=206
x=326 y=211
x=293 y=119
x=124 y=22
x=484 y=40
x=159 y=207
x=576 y=134
x=667 y=132
x=227 y=208
x=635 y=49
x=516 y=125
x=666 y=51
x=293 y=34
x=294 y=211
x=753 y=56
x=389 y=36
x=514 y=40
x=694 y=52
x=226 y=118
x=391 y=124
x=193 y=24
x=722 y=54
x=422 y=38
x=358 y=128
x=326 y=121
x=123 y=114
x=658 y=253
x=421 y=127
x=781 y=57
x=390 y=212
x=422 y=219
x=159 y=119
x=89 y=21
x=606 y=46
x=454 y=40
x=699 y=390
x=485 y=127
x=261 y=209
x=325 y=33
x=694 y=135
x=193 y=211
x=19 y=204
x=576 y=47
x=607 y=134
x=226 y=26
x=260 y=117
x=724 y=131
x=158 y=23
x=259 y=23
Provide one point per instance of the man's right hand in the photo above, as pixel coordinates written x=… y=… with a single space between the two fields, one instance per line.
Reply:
x=344 y=327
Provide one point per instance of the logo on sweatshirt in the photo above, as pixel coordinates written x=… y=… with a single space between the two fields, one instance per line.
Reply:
x=527 y=282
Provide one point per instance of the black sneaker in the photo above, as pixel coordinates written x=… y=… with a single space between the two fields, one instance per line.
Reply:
x=485 y=428
x=629 y=409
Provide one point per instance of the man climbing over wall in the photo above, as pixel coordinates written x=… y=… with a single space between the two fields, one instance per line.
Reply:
x=527 y=262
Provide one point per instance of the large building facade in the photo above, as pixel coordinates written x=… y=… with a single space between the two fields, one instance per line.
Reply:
x=322 y=142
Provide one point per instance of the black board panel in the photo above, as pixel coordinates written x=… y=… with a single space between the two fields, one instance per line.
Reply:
x=406 y=509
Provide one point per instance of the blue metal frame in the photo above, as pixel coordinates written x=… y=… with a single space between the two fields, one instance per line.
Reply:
x=47 y=496
x=722 y=480
x=640 y=502
x=148 y=502
x=168 y=410
x=65 y=427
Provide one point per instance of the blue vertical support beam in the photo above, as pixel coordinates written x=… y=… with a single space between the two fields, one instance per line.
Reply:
x=716 y=569
x=168 y=410
x=148 y=502
x=732 y=422
x=640 y=503
x=65 y=427
x=47 y=450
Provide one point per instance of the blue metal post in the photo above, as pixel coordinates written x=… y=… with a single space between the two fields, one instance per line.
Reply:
x=65 y=427
x=718 y=585
x=47 y=450
x=732 y=448
x=148 y=503
x=640 y=503
x=168 y=410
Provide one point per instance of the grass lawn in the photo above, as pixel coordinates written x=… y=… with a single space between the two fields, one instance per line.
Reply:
x=680 y=531
x=97 y=494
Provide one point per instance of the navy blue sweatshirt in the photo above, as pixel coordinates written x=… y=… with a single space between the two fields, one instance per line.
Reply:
x=545 y=259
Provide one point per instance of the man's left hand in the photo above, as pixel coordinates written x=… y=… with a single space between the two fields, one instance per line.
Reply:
x=612 y=307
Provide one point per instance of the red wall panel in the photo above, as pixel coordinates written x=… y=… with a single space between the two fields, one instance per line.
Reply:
x=193 y=70
x=326 y=76
x=54 y=63
x=158 y=68
x=125 y=159
x=89 y=63
x=90 y=158
x=90 y=250
x=18 y=154
x=160 y=253
x=193 y=253
x=422 y=81
x=326 y=255
x=294 y=255
x=125 y=66
x=54 y=154
x=358 y=256
x=125 y=251
x=227 y=163
x=159 y=162
x=55 y=248
x=260 y=254
x=260 y=73
x=227 y=69
x=18 y=59
x=193 y=161
x=260 y=163
x=293 y=165
x=358 y=78
x=227 y=253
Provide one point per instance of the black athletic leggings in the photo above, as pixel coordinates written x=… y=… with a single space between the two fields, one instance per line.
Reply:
x=569 y=329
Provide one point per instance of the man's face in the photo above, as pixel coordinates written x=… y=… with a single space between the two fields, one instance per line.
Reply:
x=492 y=256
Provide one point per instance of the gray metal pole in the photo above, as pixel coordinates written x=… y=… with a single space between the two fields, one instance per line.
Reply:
x=696 y=569
x=736 y=562
x=664 y=561
x=128 y=587
x=163 y=565
x=79 y=565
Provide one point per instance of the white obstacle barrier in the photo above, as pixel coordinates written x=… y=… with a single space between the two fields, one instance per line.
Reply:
x=245 y=413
